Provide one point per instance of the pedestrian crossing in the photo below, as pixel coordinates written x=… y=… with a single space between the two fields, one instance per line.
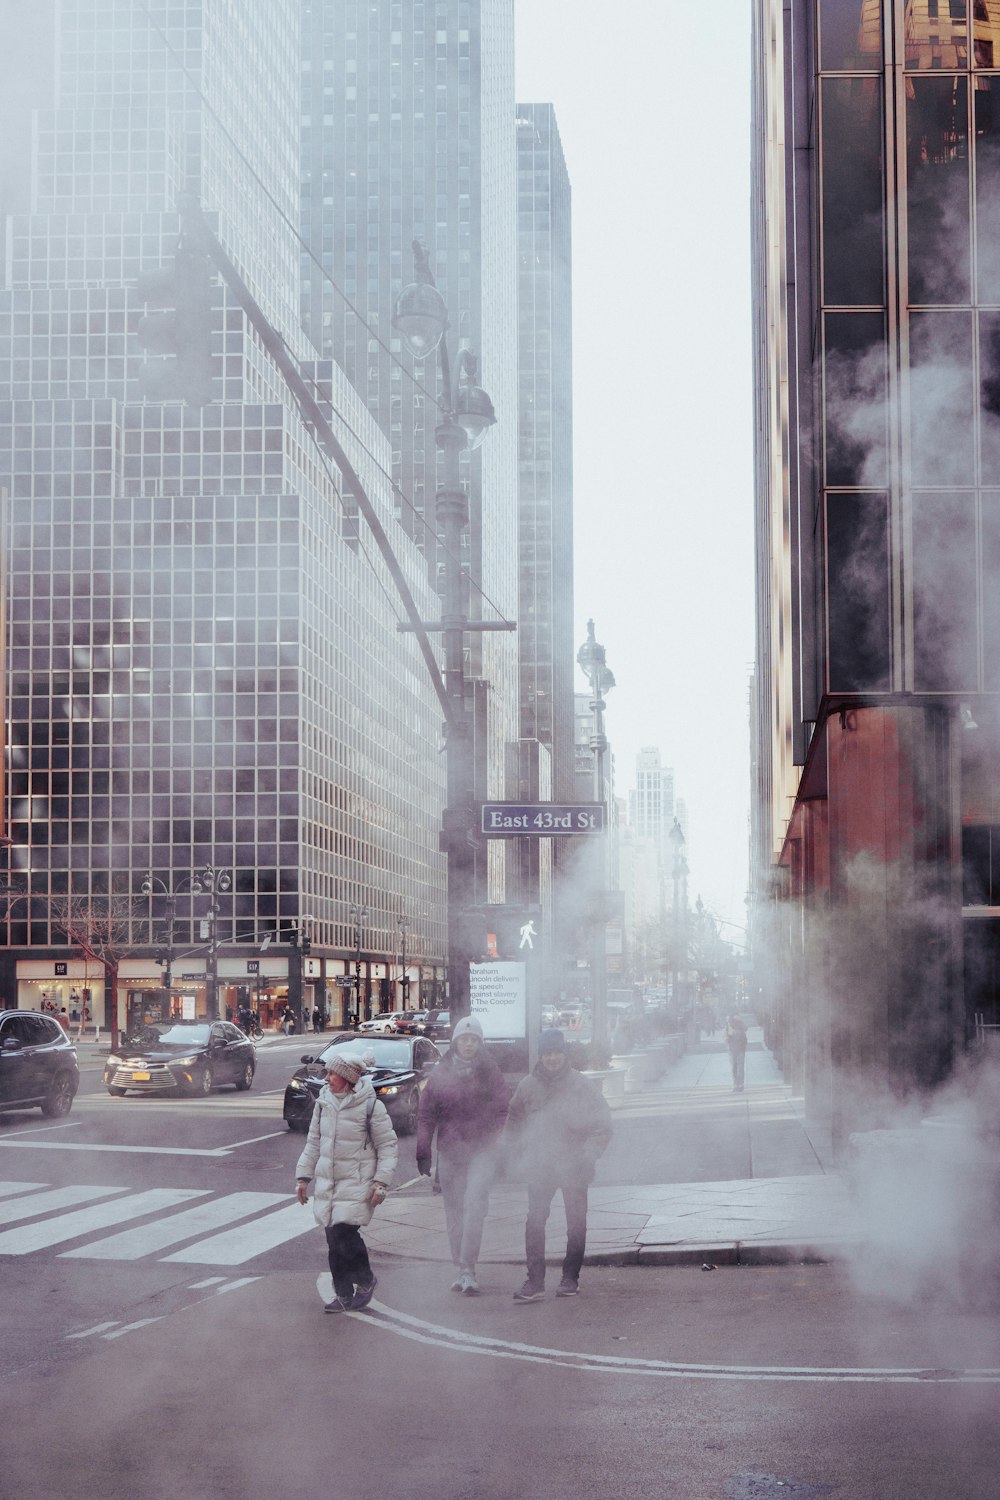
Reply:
x=225 y=1230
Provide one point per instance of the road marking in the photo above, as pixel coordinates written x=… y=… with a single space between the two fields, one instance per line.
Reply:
x=97 y=1328
x=41 y=1129
x=197 y=1286
x=43 y=1203
x=133 y=1243
x=120 y=1150
x=130 y=1328
x=71 y=1226
x=254 y=1139
x=417 y=1329
x=235 y=1246
x=9 y=1189
x=231 y=1286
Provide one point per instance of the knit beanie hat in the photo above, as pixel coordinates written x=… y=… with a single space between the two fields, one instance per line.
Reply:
x=347 y=1064
x=467 y=1026
x=551 y=1041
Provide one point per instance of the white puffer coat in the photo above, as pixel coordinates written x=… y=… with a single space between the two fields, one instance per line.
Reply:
x=345 y=1155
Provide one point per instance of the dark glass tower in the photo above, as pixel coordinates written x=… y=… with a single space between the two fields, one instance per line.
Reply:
x=204 y=665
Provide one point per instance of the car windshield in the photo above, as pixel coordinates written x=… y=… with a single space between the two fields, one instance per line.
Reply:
x=389 y=1052
x=171 y=1036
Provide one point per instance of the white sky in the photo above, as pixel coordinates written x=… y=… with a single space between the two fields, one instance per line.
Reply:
x=653 y=101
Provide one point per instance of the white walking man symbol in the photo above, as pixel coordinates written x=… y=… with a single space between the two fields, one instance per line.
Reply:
x=527 y=933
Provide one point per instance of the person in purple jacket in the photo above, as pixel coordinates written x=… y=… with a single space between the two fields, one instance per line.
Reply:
x=465 y=1103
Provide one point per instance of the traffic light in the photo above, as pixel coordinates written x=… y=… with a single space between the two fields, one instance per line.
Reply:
x=180 y=337
x=305 y=943
x=502 y=932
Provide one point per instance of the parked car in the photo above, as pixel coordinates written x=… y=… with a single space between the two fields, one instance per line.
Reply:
x=188 y=1057
x=402 y=1065
x=412 y=1022
x=379 y=1025
x=438 y=1025
x=38 y=1066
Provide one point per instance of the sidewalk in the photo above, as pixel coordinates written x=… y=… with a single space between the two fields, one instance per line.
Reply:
x=794 y=1207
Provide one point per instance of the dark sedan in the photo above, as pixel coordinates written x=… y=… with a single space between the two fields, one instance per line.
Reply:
x=186 y=1057
x=402 y=1065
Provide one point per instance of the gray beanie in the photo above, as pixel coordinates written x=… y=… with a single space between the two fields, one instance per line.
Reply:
x=348 y=1064
x=467 y=1026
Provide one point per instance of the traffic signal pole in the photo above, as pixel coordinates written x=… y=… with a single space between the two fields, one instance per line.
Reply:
x=459 y=837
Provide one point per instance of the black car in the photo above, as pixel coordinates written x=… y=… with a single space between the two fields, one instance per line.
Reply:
x=188 y=1057
x=38 y=1067
x=402 y=1064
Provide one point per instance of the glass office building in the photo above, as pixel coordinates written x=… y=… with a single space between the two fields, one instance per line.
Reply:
x=204 y=667
x=877 y=191
x=408 y=134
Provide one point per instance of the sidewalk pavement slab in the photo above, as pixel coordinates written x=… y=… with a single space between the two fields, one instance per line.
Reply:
x=792 y=1207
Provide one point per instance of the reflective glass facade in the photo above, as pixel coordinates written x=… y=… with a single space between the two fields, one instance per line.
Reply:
x=204 y=662
x=407 y=134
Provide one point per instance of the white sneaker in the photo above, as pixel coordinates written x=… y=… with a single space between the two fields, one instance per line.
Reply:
x=470 y=1286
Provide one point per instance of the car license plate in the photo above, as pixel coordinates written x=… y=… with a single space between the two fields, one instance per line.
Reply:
x=140 y=1077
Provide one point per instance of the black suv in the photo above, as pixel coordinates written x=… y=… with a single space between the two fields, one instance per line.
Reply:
x=38 y=1066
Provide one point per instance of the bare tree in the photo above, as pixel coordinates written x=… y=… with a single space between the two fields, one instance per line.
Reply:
x=100 y=929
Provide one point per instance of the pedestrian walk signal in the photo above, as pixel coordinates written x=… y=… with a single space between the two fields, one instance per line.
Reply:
x=503 y=932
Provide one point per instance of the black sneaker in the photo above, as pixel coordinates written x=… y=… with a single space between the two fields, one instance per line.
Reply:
x=338 y=1305
x=363 y=1295
x=529 y=1292
x=568 y=1287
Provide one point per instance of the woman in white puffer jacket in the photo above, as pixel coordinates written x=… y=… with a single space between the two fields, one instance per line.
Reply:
x=350 y=1157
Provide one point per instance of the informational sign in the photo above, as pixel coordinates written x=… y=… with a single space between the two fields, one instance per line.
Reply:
x=498 y=1000
x=544 y=820
x=253 y=965
x=344 y=981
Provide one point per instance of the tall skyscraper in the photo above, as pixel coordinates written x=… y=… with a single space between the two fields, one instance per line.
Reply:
x=545 y=485
x=877 y=198
x=408 y=134
x=205 y=668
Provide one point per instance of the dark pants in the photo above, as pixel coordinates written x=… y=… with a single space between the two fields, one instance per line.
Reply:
x=540 y=1196
x=738 y=1060
x=349 y=1264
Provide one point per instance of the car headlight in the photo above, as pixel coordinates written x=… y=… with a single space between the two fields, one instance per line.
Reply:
x=390 y=1088
x=186 y=1062
x=296 y=1084
x=113 y=1062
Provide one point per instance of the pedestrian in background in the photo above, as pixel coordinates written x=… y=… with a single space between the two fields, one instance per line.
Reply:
x=350 y=1157
x=736 y=1041
x=558 y=1125
x=465 y=1105
x=317 y=1018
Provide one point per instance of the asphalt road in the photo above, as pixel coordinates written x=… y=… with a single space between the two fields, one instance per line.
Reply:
x=149 y=1355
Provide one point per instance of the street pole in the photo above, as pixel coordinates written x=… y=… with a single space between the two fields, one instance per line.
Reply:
x=421 y=319
x=593 y=662
x=359 y=914
x=404 y=980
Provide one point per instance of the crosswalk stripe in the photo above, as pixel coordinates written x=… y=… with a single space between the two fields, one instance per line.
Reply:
x=71 y=1226
x=143 y=1240
x=43 y=1203
x=10 y=1189
x=234 y=1246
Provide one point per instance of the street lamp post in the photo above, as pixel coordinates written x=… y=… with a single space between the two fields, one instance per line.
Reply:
x=210 y=880
x=678 y=873
x=404 y=978
x=359 y=915
x=593 y=663
x=466 y=415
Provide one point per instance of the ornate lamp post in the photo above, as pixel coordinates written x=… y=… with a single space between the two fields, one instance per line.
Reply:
x=466 y=415
x=359 y=916
x=212 y=881
x=593 y=663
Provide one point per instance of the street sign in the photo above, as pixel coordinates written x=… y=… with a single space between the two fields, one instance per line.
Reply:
x=544 y=820
x=345 y=981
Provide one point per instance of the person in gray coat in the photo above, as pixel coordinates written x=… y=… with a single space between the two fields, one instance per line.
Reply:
x=558 y=1125
x=350 y=1157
